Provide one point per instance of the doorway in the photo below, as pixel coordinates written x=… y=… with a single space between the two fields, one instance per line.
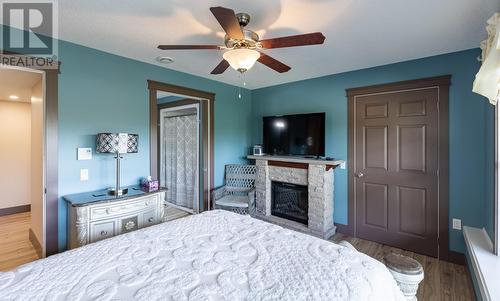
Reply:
x=49 y=244
x=398 y=165
x=180 y=154
x=22 y=176
x=168 y=105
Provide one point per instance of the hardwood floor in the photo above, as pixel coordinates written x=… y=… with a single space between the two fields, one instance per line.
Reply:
x=442 y=280
x=15 y=246
x=172 y=213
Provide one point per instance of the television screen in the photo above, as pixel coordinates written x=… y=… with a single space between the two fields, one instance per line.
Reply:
x=299 y=135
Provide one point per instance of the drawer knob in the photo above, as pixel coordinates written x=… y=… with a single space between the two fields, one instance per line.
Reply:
x=151 y=219
x=108 y=211
x=103 y=233
x=147 y=203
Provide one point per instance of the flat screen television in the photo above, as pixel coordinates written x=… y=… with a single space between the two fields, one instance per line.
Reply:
x=296 y=135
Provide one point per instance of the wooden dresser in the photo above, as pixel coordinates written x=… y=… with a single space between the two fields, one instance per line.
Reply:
x=96 y=215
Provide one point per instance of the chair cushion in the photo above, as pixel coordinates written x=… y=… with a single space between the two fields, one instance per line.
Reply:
x=240 y=201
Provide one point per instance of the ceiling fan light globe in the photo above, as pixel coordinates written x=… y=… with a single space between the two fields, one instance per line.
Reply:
x=241 y=59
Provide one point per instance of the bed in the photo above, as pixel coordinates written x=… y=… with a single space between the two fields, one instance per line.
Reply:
x=216 y=255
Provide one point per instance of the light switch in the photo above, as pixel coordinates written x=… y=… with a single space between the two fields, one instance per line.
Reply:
x=342 y=165
x=457 y=224
x=84 y=174
x=84 y=153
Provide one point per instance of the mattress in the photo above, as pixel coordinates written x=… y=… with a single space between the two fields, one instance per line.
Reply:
x=216 y=255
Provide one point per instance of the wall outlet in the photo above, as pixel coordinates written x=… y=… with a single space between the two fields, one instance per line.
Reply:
x=342 y=165
x=84 y=174
x=457 y=224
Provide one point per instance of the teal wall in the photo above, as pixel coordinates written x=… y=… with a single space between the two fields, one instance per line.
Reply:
x=471 y=127
x=100 y=92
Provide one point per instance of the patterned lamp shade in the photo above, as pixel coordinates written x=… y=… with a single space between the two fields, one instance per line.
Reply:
x=117 y=142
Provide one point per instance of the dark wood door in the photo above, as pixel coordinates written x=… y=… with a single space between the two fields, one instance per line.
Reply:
x=396 y=168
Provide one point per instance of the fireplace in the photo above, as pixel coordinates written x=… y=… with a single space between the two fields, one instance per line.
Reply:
x=289 y=201
x=308 y=183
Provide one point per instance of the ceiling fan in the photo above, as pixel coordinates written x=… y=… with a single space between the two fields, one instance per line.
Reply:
x=244 y=45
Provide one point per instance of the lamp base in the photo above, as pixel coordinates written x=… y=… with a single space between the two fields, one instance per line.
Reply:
x=113 y=191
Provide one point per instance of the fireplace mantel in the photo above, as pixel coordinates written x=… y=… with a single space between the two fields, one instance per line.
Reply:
x=296 y=159
x=316 y=174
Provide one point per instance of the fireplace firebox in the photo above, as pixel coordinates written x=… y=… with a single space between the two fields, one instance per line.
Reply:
x=289 y=201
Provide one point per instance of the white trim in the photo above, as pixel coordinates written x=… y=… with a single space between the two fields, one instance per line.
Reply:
x=496 y=199
x=485 y=264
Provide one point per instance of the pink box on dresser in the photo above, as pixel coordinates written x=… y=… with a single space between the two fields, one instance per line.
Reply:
x=149 y=185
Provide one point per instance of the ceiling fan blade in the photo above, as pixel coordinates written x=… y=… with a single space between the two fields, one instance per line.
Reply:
x=187 y=47
x=223 y=65
x=273 y=63
x=227 y=19
x=292 y=41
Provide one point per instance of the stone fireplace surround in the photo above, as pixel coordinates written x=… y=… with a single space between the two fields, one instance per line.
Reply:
x=316 y=174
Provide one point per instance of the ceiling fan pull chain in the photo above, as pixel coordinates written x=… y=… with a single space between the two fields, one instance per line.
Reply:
x=239 y=88
x=243 y=83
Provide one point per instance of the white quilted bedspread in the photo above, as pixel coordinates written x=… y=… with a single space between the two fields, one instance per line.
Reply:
x=215 y=255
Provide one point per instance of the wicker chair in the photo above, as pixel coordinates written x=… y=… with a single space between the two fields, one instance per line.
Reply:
x=238 y=195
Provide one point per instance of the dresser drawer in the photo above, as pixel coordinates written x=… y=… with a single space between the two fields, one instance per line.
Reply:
x=113 y=210
x=102 y=230
x=129 y=223
x=149 y=219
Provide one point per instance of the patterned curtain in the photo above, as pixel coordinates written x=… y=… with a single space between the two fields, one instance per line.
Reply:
x=179 y=161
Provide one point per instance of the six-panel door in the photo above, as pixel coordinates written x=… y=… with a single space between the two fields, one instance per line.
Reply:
x=396 y=169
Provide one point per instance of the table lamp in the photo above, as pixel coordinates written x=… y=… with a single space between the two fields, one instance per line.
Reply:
x=118 y=144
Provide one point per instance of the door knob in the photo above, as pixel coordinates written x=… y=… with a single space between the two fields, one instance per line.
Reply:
x=360 y=174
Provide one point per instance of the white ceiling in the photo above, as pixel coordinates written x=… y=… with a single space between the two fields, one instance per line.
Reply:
x=359 y=33
x=17 y=82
